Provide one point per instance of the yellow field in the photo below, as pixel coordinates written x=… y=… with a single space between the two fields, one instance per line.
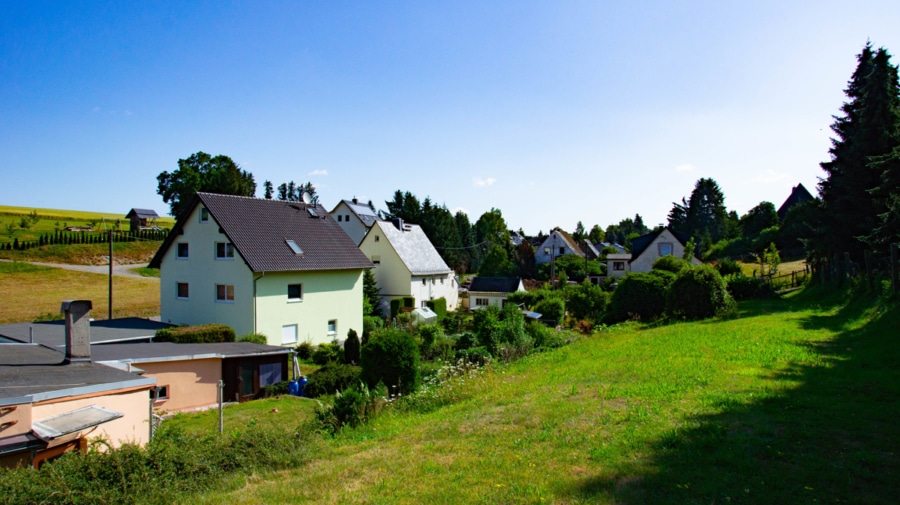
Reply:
x=77 y=215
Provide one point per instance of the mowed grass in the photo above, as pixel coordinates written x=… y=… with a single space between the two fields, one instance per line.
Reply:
x=30 y=292
x=795 y=401
x=267 y=413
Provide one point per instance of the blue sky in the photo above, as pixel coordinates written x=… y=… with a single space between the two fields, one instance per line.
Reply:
x=553 y=112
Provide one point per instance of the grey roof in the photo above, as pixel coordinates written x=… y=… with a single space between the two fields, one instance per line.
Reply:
x=53 y=333
x=362 y=211
x=639 y=244
x=142 y=213
x=494 y=284
x=260 y=229
x=169 y=351
x=30 y=373
x=414 y=248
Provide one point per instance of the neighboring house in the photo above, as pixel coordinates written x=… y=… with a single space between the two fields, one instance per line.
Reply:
x=187 y=375
x=283 y=269
x=108 y=331
x=486 y=291
x=558 y=243
x=590 y=251
x=646 y=249
x=142 y=218
x=407 y=264
x=799 y=194
x=51 y=402
x=516 y=238
x=354 y=218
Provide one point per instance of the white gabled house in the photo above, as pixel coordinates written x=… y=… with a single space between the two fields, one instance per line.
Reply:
x=558 y=243
x=485 y=291
x=283 y=269
x=354 y=218
x=407 y=264
x=646 y=249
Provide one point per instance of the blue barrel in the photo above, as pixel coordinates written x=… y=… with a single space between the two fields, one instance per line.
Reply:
x=301 y=385
x=293 y=388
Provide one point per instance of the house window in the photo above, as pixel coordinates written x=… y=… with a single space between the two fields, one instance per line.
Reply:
x=665 y=248
x=339 y=218
x=182 y=250
x=294 y=247
x=162 y=393
x=423 y=281
x=481 y=302
x=432 y=281
x=295 y=292
x=183 y=293
x=269 y=373
x=376 y=259
x=619 y=265
x=442 y=280
x=225 y=293
x=423 y=304
x=562 y=251
x=204 y=215
x=332 y=327
x=224 y=251
x=377 y=238
x=347 y=218
x=289 y=334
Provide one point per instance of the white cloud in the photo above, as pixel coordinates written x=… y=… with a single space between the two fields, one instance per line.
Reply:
x=318 y=172
x=685 y=167
x=460 y=209
x=769 y=176
x=483 y=183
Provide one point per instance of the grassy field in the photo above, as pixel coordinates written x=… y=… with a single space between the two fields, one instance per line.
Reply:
x=266 y=413
x=795 y=401
x=32 y=292
x=15 y=222
x=124 y=253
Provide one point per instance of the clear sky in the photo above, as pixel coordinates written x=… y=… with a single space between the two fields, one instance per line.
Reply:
x=553 y=112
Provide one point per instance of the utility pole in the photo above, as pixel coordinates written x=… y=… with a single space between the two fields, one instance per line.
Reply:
x=110 y=236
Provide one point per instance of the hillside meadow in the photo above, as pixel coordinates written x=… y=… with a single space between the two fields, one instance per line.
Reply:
x=27 y=223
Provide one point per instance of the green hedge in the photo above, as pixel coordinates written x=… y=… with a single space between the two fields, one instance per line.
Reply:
x=200 y=334
x=697 y=293
x=640 y=296
x=439 y=306
x=331 y=378
x=391 y=356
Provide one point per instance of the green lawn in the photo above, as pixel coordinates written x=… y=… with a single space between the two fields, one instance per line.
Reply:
x=266 y=413
x=14 y=222
x=795 y=401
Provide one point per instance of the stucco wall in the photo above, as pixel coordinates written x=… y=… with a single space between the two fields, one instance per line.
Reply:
x=354 y=227
x=193 y=384
x=202 y=271
x=644 y=262
x=21 y=417
x=133 y=427
x=433 y=288
x=330 y=295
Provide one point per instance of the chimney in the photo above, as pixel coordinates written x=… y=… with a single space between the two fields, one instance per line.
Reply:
x=78 y=331
x=355 y=201
x=398 y=223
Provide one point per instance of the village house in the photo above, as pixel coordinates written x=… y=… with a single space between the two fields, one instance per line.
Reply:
x=354 y=218
x=485 y=291
x=558 y=243
x=646 y=249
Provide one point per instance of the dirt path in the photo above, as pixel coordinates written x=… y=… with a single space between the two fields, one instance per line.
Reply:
x=118 y=270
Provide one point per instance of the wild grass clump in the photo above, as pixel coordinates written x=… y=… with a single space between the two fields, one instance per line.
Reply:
x=451 y=383
x=352 y=407
x=172 y=468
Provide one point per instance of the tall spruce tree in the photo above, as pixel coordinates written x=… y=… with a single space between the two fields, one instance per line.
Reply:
x=854 y=200
x=703 y=216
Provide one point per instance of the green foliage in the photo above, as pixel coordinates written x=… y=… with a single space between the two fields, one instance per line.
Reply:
x=371 y=298
x=331 y=378
x=496 y=263
x=728 y=267
x=277 y=389
x=409 y=302
x=466 y=340
x=203 y=173
x=586 y=301
x=391 y=356
x=573 y=266
x=640 y=296
x=351 y=347
x=758 y=219
x=329 y=352
x=742 y=287
x=502 y=331
x=371 y=324
x=688 y=254
x=551 y=309
x=479 y=356
x=200 y=334
x=670 y=264
x=697 y=293
x=704 y=214
x=429 y=333
x=304 y=351
x=543 y=336
x=254 y=338
x=439 y=306
x=395 y=307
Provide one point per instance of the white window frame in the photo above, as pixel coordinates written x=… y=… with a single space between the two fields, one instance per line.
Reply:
x=227 y=251
x=332 y=327
x=300 y=299
x=163 y=393
x=482 y=302
x=376 y=259
x=295 y=330
x=226 y=298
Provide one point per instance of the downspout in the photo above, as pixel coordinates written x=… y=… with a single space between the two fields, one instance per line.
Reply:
x=255 y=279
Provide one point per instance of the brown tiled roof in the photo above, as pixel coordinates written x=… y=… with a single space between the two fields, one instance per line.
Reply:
x=259 y=230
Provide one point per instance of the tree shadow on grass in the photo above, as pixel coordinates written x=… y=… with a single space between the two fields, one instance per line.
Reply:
x=835 y=438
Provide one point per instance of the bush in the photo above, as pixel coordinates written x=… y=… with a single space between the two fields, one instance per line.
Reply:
x=502 y=329
x=551 y=309
x=327 y=353
x=479 y=356
x=697 y=293
x=351 y=348
x=254 y=338
x=304 y=351
x=640 y=296
x=439 y=306
x=391 y=356
x=395 y=307
x=543 y=336
x=370 y=324
x=670 y=264
x=429 y=333
x=742 y=287
x=200 y=334
x=353 y=406
x=280 y=388
x=586 y=301
x=465 y=340
x=443 y=348
x=331 y=378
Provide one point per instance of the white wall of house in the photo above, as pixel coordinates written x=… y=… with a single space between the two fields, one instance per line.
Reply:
x=479 y=299
x=665 y=244
x=203 y=272
x=617 y=265
x=330 y=305
x=349 y=222
x=558 y=245
x=431 y=287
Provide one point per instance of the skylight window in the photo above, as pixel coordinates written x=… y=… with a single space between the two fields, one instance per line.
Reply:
x=294 y=247
x=312 y=212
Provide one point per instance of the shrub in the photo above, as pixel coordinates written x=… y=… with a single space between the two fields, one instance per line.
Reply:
x=370 y=324
x=280 y=388
x=586 y=301
x=697 y=293
x=331 y=378
x=254 y=338
x=551 y=309
x=327 y=353
x=391 y=356
x=670 y=264
x=640 y=296
x=728 y=267
x=443 y=348
x=200 y=334
x=409 y=302
x=351 y=347
x=439 y=306
x=396 y=303
x=742 y=287
x=353 y=406
x=304 y=351
x=429 y=333
x=479 y=356
x=465 y=340
x=543 y=336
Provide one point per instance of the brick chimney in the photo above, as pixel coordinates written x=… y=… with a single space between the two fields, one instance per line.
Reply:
x=78 y=331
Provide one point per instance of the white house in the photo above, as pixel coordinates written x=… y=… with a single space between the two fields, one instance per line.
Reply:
x=283 y=269
x=354 y=218
x=486 y=291
x=646 y=249
x=557 y=243
x=407 y=264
